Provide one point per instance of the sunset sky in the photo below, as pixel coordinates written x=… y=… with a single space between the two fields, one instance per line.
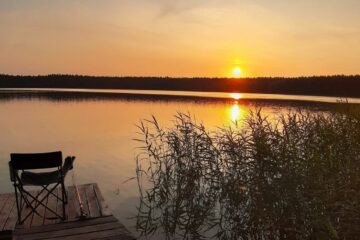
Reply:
x=180 y=37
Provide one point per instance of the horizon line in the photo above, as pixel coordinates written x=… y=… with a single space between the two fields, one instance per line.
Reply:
x=173 y=77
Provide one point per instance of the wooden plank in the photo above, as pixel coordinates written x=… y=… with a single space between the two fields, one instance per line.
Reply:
x=83 y=197
x=94 y=208
x=26 y=210
x=6 y=210
x=122 y=236
x=106 y=227
x=12 y=219
x=65 y=225
x=70 y=232
x=98 y=235
x=49 y=217
x=38 y=219
x=124 y=233
x=104 y=208
x=73 y=209
x=59 y=209
x=58 y=205
x=3 y=198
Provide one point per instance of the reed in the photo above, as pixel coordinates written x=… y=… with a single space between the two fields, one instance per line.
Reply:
x=294 y=177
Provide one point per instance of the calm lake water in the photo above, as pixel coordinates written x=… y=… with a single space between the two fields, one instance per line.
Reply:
x=98 y=127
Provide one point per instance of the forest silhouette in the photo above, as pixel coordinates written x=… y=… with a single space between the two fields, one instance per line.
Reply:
x=335 y=86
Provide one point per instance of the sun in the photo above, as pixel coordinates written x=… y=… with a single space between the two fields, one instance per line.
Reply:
x=237 y=72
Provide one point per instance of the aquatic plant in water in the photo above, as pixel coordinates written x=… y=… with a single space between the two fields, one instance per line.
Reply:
x=295 y=177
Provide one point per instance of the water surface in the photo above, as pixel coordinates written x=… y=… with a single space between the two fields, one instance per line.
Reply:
x=98 y=127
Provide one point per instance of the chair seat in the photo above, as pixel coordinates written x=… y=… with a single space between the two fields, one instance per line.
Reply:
x=40 y=179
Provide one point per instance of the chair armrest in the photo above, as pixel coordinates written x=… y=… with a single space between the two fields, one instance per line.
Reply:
x=68 y=164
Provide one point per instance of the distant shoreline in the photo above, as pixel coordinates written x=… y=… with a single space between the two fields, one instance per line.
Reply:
x=329 y=86
x=56 y=94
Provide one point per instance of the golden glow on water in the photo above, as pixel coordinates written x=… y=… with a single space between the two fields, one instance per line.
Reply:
x=106 y=153
x=235 y=112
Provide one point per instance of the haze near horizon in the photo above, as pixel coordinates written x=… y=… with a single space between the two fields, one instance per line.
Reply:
x=185 y=38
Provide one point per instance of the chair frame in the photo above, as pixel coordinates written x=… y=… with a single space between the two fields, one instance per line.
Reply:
x=28 y=161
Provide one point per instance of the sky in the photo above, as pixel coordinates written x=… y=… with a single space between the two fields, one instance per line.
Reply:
x=180 y=38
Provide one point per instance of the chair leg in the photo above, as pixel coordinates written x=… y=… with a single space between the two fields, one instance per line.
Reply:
x=38 y=201
x=24 y=199
x=17 y=206
x=64 y=199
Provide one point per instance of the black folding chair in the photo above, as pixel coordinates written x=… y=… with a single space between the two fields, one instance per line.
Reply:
x=21 y=163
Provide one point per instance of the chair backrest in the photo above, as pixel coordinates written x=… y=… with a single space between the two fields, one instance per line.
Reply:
x=24 y=161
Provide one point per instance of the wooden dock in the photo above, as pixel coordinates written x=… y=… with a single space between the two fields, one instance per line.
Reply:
x=99 y=224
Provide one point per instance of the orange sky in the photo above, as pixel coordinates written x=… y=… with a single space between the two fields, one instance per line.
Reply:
x=180 y=37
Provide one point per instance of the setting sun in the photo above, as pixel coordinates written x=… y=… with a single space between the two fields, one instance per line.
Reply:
x=237 y=72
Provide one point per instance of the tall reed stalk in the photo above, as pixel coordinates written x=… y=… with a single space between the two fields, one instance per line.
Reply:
x=295 y=177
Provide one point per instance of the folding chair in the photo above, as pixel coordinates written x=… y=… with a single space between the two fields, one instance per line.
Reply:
x=19 y=165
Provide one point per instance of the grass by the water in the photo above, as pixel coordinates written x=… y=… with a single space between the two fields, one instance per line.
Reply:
x=293 y=177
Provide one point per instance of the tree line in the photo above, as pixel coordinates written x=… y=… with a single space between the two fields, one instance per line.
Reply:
x=336 y=86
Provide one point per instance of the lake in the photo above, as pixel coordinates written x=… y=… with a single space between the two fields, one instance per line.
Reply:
x=98 y=127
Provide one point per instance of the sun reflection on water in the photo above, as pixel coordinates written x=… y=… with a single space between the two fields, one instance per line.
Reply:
x=235 y=112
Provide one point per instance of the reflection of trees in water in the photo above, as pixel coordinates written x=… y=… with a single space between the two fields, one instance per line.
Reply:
x=74 y=95
x=297 y=178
